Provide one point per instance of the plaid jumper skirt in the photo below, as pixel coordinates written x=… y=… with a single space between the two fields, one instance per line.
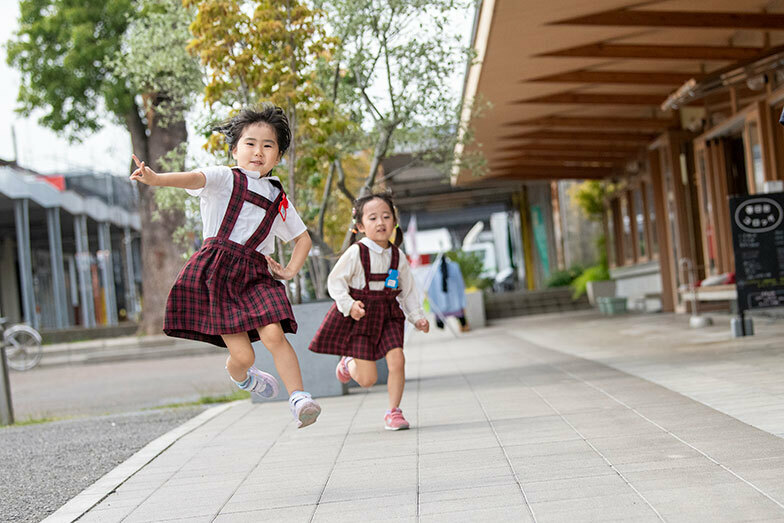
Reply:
x=226 y=287
x=375 y=334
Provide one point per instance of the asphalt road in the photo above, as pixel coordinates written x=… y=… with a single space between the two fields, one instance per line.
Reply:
x=108 y=388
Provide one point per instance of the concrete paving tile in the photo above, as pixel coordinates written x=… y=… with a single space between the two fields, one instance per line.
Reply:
x=499 y=475
x=106 y=515
x=363 y=509
x=294 y=514
x=730 y=502
x=471 y=516
x=546 y=448
x=600 y=508
x=679 y=477
x=575 y=488
x=471 y=499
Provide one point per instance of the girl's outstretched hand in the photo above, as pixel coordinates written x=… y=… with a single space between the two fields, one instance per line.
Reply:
x=422 y=325
x=143 y=173
x=278 y=271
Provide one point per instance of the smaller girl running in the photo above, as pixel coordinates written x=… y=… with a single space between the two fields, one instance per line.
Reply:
x=227 y=293
x=370 y=283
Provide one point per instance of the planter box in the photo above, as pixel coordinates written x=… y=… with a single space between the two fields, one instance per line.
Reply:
x=611 y=306
x=599 y=289
x=318 y=370
x=475 y=309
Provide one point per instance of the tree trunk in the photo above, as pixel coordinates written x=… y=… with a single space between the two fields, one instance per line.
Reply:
x=161 y=258
x=379 y=153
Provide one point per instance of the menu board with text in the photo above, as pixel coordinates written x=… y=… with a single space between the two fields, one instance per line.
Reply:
x=758 y=242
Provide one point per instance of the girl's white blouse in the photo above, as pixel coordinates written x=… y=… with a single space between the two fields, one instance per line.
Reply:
x=215 y=196
x=348 y=272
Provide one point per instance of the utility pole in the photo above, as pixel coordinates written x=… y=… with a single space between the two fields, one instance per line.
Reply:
x=6 y=408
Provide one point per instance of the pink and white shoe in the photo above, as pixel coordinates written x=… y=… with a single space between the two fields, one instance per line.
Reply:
x=394 y=420
x=304 y=409
x=263 y=385
x=341 y=371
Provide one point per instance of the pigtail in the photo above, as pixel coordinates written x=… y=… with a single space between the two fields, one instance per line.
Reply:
x=353 y=228
x=398 y=240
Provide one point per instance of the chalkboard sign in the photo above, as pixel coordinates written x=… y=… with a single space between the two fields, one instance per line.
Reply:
x=758 y=241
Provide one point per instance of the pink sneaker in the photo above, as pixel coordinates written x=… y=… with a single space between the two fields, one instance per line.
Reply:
x=394 y=420
x=341 y=371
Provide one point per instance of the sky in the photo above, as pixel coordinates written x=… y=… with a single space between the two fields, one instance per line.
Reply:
x=43 y=150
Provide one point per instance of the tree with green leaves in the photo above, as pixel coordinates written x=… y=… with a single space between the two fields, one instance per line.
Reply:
x=273 y=50
x=80 y=61
x=397 y=57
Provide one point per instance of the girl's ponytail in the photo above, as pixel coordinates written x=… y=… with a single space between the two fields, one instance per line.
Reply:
x=398 y=241
x=353 y=228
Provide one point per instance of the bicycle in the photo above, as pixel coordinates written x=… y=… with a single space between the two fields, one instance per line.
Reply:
x=22 y=344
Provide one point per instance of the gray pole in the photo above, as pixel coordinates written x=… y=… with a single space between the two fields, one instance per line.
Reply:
x=107 y=276
x=6 y=407
x=22 y=217
x=83 y=271
x=130 y=275
x=58 y=272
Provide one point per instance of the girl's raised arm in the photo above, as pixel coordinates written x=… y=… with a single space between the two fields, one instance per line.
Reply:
x=187 y=180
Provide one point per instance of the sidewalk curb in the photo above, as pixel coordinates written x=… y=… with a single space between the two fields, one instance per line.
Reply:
x=108 y=483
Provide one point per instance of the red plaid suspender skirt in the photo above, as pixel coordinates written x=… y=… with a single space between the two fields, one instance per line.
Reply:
x=378 y=332
x=226 y=287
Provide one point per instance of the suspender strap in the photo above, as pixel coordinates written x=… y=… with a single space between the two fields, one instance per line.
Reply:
x=235 y=204
x=265 y=226
x=364 y=257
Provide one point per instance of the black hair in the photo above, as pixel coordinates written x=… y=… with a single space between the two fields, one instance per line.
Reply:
x=268 y=113
x=359 y=207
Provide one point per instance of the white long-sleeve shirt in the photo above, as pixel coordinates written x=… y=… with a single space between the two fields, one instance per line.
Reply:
x=348 y=272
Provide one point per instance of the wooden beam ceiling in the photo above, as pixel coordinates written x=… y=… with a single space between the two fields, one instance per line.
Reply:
x=618 y=77
x=568 y=155
x=669 y=52
x=598 y=147
x=582 y=136
x=702 y=19
x=596 y=99
x=554 y=162
x=526 y=174
x=605 y=122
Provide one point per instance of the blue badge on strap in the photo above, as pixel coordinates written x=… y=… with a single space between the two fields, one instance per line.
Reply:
x=391 y=281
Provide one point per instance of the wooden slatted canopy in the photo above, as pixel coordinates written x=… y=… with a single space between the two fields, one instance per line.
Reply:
x=570 y=83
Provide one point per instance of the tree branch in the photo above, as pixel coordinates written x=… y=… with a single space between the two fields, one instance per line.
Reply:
x=342 y=181
x=375 y=113
x=325 y=199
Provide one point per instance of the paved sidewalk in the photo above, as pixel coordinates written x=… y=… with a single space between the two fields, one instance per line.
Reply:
x=503 y=429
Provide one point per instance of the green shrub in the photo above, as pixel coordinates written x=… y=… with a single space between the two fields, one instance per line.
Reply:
x=564 y=278
x=595 y=273
x=471 y=267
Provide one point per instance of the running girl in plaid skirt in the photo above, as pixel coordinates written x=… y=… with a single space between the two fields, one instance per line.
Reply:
x=370 y=283
x=228 y=294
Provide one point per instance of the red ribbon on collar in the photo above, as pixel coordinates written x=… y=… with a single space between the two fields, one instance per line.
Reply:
x=283 y=207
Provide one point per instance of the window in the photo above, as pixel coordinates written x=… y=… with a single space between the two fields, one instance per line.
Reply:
x=652 y=219
x=626 y=234
x=639 y=218
x=610 y=240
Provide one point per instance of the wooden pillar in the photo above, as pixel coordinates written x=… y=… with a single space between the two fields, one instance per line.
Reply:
x=662 y=233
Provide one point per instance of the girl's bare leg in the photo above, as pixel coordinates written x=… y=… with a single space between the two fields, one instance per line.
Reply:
x=396 y=381
x=363 y=371
x=283 y=353
x=241 y=355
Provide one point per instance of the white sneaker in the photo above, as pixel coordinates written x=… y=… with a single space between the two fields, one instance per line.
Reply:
x=304 y=409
